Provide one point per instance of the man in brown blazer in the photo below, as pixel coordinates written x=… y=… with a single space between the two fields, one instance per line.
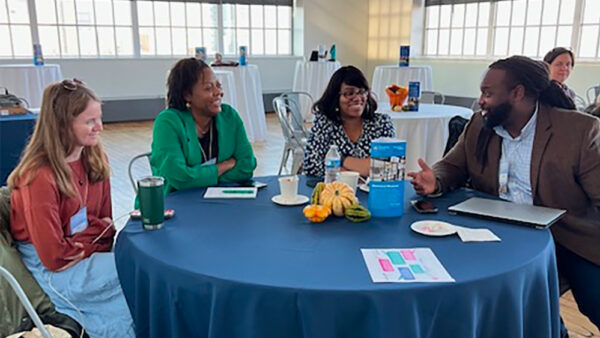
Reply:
x=529 y=146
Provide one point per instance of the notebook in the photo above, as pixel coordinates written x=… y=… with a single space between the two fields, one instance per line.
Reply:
x=530 y=215
x=230 y=192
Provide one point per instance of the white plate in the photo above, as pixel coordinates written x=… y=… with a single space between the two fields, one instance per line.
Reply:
x=300 y=199
x=433 y=228
x=364 y=187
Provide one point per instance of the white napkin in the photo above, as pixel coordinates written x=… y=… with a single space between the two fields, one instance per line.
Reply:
x=476 y=235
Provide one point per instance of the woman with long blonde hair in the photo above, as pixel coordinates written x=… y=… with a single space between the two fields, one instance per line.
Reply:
x=61 y=214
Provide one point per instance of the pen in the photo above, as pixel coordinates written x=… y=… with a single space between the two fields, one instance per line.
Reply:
x=238 y=191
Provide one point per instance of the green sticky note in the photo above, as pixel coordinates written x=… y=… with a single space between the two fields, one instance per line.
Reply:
x=416 y=268
x=395 y=257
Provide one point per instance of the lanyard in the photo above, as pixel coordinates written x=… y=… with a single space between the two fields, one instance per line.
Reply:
x=210 y=148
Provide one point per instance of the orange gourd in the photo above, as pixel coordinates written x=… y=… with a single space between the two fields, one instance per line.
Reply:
x=316 y=213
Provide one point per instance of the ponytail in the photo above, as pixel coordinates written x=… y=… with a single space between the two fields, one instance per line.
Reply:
x=554 y=95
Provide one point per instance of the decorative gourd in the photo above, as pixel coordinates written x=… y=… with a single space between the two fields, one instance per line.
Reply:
x=357 y=213
x=338 y=196
x=316 y=213
x=315 y=198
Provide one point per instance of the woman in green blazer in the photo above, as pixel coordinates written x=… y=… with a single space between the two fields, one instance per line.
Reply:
x=199 y=141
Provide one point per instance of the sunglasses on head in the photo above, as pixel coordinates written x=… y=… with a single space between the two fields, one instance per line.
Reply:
x=69 y=84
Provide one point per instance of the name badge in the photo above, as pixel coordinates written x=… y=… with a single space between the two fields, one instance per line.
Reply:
x=79 y=221
x=209 y=162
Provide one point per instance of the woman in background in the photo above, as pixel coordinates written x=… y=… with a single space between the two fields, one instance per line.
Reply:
x=61 y=212
x=199 y=141
x=561 y=62
x=345 y=117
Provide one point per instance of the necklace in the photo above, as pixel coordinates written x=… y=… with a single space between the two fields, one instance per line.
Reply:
x=210 y=140
x=81 y=181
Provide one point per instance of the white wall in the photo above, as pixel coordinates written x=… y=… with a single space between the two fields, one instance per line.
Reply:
x=343 y=22
x=140 y=78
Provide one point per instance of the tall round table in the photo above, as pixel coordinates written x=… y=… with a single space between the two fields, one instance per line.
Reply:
x=312 y=77
x=28 y=81
x=227 y=81
x=250 y=268
x=248 y=91
x=384 y=76
x=425 y=131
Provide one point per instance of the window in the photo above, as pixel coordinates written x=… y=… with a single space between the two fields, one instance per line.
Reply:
x=176 y=28
x=265 y=29
x=15 y=29
x=508 y=27
x=115 y=28
x=457 y=29
x=85 y=28
x=589 y=43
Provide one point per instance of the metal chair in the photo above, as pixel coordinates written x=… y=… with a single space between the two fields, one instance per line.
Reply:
x=580 y=103
x=130 y=167
x=431 y=97
x=25 y=302
x=592 y=94
x=300 y=104
x=294 y=134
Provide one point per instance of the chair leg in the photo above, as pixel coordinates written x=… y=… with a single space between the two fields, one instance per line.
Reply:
x=297 y=159
x=284 y=159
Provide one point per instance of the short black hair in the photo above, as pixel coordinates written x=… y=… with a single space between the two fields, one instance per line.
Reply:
x=556 y=52
x=329 y=103
x=182 y=78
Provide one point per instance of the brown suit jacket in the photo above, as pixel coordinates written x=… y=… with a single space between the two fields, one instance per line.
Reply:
x=565 y=172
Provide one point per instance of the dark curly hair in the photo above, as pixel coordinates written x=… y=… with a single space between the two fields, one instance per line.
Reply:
x=182 y=78
x=329 y=103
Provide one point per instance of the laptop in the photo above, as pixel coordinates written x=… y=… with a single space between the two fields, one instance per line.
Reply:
x=530 y=215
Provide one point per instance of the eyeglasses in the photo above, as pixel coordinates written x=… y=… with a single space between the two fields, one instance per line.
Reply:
x=72 y=84
x=349 y=94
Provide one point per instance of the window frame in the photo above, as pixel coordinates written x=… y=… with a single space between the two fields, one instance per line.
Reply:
x=34 y=28
x=575 y=37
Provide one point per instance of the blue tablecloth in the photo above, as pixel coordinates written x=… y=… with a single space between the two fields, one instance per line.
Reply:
x=250 y=268
x=14 y=133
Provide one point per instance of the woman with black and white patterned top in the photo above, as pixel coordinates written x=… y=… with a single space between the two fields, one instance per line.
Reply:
x=345 y=116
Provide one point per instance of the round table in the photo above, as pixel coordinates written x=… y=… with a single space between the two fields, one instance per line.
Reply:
x=312 y=77
x=248 y=91
x=425 y=131
x=250 y=268
x=227 y=81
x=384 y=76
x=29 y=81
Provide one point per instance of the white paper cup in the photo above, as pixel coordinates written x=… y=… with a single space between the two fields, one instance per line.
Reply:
x=350 y=178
x=288 y=186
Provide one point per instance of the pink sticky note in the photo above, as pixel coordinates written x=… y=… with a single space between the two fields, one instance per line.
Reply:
x=386 y=265
x=408 y=255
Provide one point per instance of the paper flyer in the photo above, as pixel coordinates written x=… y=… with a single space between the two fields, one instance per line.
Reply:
x=412 y=265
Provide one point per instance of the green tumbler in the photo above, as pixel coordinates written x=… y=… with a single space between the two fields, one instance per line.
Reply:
x=152 y=202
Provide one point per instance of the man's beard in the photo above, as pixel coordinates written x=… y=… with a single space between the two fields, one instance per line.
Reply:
x=496 y=116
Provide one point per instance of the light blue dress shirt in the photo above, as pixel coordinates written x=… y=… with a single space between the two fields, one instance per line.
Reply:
x=514 y=176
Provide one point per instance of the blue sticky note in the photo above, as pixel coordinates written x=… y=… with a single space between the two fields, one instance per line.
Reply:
x=406 y=274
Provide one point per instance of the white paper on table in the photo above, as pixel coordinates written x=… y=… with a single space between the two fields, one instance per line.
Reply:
x=230 y=192
x=476 y=235
x=404 y=266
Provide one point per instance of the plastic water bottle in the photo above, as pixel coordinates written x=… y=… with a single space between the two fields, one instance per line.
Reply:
x=332 y=164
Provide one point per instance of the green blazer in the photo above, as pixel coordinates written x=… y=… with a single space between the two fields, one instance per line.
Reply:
x=176 y=153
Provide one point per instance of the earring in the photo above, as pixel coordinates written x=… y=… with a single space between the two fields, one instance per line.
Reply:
x=337 y=109
x=188 y=105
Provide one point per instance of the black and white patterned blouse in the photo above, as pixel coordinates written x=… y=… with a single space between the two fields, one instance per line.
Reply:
x=326 y=132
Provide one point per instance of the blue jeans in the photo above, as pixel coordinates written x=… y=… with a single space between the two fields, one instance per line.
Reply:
x=583 y=278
